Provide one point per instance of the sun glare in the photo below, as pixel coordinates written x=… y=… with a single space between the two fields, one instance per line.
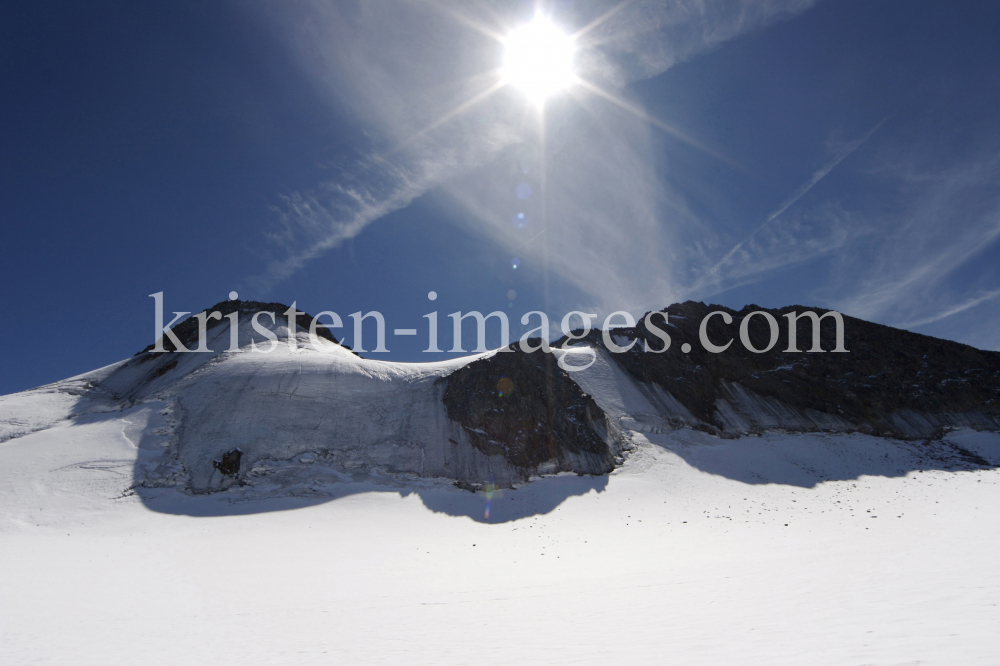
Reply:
x=538 y=60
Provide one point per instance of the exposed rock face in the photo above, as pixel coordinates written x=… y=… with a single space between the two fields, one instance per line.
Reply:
x=230 y=463
x=528 y=410
x=891 y=382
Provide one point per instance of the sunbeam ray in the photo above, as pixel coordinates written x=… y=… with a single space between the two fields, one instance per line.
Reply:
x=465 y=20
x=669 y=129
x=601 y=19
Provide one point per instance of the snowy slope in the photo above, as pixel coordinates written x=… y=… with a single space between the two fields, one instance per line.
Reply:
x=344 y=539
x=658 y=562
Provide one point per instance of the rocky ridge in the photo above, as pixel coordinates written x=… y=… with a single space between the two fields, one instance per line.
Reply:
x=890 y=383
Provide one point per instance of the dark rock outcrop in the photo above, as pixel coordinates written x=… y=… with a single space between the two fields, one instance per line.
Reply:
x=230 y=463
x=525 y=408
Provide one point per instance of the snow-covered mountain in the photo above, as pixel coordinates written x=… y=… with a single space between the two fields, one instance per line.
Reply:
x=299 y=506
x=205 y=421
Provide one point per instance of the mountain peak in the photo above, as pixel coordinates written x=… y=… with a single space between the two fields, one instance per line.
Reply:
x=187 y=330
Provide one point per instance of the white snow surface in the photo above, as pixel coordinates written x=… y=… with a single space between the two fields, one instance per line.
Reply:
x=778 y=549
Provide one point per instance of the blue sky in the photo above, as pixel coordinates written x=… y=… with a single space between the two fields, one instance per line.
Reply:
x=838 y=154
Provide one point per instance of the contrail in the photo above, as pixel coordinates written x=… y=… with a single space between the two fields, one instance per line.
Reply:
x=820 y=174
x=669 y=129
x=967 y=305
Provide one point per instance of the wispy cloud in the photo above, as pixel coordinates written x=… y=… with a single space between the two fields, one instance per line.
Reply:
x=954 y=310
x=653 y=36
x=308 y=227
x=737 y=264
x=950 y=215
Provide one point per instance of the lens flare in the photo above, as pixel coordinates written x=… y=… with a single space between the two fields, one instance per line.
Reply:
x=489 y=490
x=505 y=387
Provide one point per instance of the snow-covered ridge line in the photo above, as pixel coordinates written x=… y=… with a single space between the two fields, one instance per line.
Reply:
x=207 y=421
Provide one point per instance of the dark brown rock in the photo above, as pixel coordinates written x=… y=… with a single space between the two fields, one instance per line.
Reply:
x=230 y=463
x=528 y=410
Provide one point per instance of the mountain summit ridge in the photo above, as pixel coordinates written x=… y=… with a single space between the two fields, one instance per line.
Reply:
x=500 y=419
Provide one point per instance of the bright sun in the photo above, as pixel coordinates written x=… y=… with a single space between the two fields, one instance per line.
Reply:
x=538 y=60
